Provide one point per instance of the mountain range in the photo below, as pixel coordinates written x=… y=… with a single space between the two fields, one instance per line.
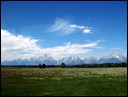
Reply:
x=115 y=57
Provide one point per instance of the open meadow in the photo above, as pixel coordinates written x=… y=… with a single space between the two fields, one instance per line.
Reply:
x=63 y=81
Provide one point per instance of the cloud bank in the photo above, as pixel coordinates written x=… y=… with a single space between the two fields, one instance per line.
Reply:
x=19 y=46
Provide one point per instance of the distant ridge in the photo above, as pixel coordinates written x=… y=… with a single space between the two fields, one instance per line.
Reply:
x=115 y=57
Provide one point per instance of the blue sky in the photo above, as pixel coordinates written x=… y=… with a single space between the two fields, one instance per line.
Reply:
x=76 y=28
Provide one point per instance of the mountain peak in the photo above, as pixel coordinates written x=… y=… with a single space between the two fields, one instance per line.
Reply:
x=90 y=59
x=71 y=60
x=114 y=57
x=116 y=53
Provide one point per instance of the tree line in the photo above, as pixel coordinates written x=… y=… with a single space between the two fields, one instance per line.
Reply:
x=63 y=65
x=123 y=64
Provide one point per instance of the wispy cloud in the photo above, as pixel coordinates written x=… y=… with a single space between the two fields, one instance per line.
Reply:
x=18 y=46
x=65 y=27
x=76 y=26
x=83 y=28
x=61 y=25
x=90 y=41
x=115 y=49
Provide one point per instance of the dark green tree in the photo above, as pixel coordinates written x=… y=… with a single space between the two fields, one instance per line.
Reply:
x=44 y=66
x=40 y=66
x=63 y=65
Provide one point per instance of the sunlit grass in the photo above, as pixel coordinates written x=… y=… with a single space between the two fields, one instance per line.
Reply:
x=64 y=81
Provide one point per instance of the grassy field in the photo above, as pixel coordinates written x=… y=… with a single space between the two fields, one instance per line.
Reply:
x=64 y=82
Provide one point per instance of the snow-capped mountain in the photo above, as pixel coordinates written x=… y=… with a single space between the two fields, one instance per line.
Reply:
x=16 y=62
x=45 y=59
x=71 y=60
x=90 y=60
x=115 y=57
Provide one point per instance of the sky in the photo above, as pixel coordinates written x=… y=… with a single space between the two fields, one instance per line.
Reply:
x=62 y=28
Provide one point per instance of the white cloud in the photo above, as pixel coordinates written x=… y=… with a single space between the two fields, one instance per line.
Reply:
x=87 y=31
x=83 y=28
x=65 y=27
x=18 y=46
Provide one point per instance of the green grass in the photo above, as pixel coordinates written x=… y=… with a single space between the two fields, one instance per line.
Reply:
x=64 y=82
